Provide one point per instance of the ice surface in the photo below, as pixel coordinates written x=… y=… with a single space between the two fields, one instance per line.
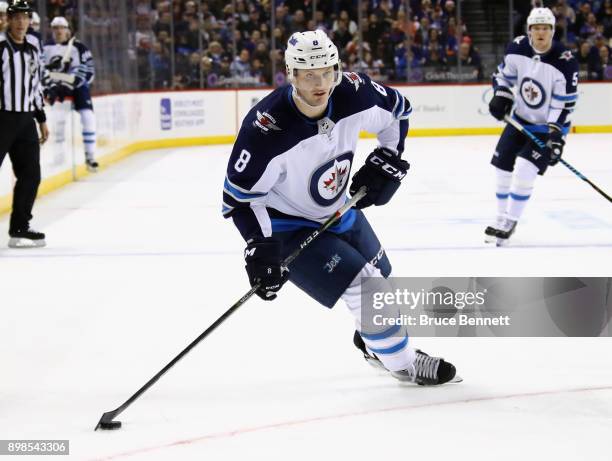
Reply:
x=140 y=261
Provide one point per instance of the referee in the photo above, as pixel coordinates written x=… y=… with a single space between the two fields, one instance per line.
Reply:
x=21 y=102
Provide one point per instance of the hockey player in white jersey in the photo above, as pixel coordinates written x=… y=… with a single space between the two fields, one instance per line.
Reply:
x=35 y=24
x=289 y=170
x=545 y=77
x=71 y=66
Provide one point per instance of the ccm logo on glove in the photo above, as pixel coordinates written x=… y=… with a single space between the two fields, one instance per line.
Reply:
x=382 y=164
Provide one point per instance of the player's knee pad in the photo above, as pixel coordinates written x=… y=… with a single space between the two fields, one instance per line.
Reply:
x=367 y=285
x=504 y=180
x=352 y=294
x=525 y=174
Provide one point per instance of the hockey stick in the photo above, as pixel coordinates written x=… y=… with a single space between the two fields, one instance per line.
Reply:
x=107 y=419
x=542 y=145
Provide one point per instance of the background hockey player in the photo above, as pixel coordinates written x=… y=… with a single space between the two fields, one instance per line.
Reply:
x=3 y=17
x=35 y=24
x=545 y=76
x=289 y=170
x=71 y=66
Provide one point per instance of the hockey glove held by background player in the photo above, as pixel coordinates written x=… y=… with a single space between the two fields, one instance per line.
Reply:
x=502 y=102
x=263 y=265
x=554 y=144
x=52 y=93
x=382 y=175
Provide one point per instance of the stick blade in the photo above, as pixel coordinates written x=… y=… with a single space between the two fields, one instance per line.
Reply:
x=106 y=422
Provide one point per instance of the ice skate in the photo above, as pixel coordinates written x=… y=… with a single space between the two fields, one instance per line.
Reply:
x=26 y=238
x=492 y=230
x=92 y=165
x=428 y=371
x=505 y=232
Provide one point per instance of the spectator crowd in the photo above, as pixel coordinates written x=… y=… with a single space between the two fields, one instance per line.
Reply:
x=586 y=28
x=182 y=44
x=218 y=46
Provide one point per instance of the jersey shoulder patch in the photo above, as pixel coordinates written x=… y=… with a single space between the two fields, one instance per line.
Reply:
x=562 y=59
x=358 y=92
x=272 y=126
x=264 y=117
x=520 y=45
x=354 y=79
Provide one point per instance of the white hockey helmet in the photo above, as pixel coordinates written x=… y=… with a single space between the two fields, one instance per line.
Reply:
x=312 y=50
x=60 y=21
x=3 y=7
x=541 y=16
x=35 y=19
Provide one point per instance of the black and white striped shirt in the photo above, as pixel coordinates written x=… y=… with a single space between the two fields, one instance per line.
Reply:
x=20 y=75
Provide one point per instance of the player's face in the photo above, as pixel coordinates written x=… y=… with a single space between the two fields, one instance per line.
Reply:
x=314 y=85
x=18 y=24
x=61 y=34
x=541 y=36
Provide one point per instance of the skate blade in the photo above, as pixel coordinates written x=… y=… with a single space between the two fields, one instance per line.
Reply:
x=457 y=379
x=490 y=239
x=26 y=243
x=92 y=169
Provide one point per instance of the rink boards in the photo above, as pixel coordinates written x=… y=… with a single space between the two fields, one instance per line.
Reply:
x=132 y=122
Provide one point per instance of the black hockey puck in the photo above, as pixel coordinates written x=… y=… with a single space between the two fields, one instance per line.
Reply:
x=110 y=425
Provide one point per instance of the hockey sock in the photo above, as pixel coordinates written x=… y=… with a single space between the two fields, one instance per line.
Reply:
x=525 y=174
x=389 y=343
x=502 y=190
x=88 y=123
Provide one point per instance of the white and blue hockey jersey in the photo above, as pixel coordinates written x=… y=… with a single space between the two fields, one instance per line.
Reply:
x=73 y=60
x=288 y=171
x=546 y=84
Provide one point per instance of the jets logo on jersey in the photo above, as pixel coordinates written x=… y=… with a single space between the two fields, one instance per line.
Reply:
x=532 y=93
x=265 y=122
x=566 y=55
x=329 y=181
x=337 y=179
x=355 y=79
x=55 y=64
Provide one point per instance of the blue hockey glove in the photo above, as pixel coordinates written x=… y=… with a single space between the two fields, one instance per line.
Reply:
x=554 y=144
x=502 y=102
x=263 y=265
x=382 y=175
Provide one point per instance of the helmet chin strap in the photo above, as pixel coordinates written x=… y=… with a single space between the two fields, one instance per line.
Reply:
x=296 y=95
x=538 y=51
x=535 y=49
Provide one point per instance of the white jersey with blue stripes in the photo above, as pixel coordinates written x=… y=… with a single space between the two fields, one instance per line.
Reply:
x=289 y=170
x=75 y=60
x=546 y=84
